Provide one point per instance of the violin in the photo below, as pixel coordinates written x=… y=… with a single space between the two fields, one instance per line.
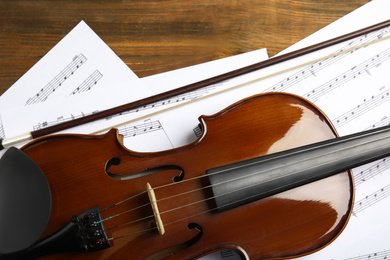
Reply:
x=268 y=178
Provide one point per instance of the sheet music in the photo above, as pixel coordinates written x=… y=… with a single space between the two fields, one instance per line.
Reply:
x=366 y=235
x=58 y=80
x=42 y=114
x=365 y=83
x=81 y=63
x=87 y=84
x=382 y=255
x=354 y=93
x=79 y=57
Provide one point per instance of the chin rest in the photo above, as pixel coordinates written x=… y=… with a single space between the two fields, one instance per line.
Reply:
x=25 y=201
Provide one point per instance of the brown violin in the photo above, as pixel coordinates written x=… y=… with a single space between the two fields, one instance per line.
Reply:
x=268 y=177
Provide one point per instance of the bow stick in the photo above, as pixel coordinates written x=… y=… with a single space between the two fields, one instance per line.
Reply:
x=8 y=142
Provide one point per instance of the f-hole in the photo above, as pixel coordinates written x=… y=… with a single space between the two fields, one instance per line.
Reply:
x=115 y=161
x=174 y=249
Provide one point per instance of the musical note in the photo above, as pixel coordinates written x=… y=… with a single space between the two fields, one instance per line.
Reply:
x=176 y=99
x=373 y=256
x=383 y=122
x=87 y=84
x=353 y=73
x=198 y=131
x=314 y=68
x=135 y=130
x=367 y=105
x=58 y=80
x=371 y=199
x=223 y=254
x=364 y=175
x=227 y=253
x=59 y=119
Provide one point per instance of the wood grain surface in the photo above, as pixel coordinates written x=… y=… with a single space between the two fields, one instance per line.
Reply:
x=155 y=36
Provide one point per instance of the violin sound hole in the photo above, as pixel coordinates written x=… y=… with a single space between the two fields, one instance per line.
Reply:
x=186 y=244
x=115 y=162
x=179 y=177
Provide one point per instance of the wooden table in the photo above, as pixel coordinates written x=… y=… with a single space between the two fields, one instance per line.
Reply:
x=154 y=36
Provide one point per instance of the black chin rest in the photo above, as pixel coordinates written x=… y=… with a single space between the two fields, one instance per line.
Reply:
x=25 y=201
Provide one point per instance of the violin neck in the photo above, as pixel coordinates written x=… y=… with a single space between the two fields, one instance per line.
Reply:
x=243 y=182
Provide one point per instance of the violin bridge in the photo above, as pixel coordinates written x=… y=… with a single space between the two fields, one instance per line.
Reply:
x=156 y=213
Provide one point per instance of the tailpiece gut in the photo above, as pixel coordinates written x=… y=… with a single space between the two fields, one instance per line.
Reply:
x=84 y=233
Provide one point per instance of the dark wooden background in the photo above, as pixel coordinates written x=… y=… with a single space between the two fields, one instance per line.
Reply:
x=155 y=36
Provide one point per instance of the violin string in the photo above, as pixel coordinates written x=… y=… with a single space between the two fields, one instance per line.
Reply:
x=178 y=220
x=124 y=212
x=242 y=84
x=187 y=217
x=240 y=177
x=120 y=202
x=198 y=177
x=237 y=86
x=227 y=193
x=181 y=219
x=234 y=87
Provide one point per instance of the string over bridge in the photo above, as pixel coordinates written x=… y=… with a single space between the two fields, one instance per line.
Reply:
x=156 y=213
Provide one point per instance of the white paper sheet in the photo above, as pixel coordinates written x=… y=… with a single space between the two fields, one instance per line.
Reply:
x=54 y=111
x=354 y=93
x=353 y=87
x=81 y=64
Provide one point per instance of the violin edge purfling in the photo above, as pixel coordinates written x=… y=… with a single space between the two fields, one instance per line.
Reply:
x=244 y=135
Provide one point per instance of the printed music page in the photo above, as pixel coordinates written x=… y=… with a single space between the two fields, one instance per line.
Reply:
x=353 y=89
x=95 y=90
x=81 y=62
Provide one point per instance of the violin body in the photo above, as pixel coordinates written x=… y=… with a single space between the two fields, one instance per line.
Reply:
x=84 y=171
